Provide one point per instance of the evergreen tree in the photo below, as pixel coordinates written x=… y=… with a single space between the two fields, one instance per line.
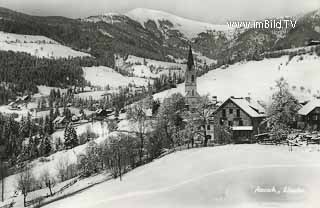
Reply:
x=70 y=137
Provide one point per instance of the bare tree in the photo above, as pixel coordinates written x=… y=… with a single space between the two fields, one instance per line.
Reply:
x=3 y=172
x=137 y=114
x=25 y=182
x=48 y=180
x=201 y=118
x=62 y=167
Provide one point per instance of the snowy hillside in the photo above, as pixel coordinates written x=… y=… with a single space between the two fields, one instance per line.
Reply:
x=190 y=28
x=103 y=76
x=258 y=77
x=141 y=67
x=202 y=178
x=34 y=45
x=65 y=156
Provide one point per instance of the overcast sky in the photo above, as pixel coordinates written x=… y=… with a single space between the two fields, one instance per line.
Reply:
x=204 y=10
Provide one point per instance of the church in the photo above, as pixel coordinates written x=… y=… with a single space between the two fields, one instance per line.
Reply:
x=191 y=93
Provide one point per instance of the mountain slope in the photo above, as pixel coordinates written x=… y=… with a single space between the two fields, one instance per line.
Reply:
x=104 y=76
x=190 y=28
x=39 y=46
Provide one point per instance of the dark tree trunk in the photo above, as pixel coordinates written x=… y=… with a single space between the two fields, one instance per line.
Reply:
x=24 y=200
x=50 y=188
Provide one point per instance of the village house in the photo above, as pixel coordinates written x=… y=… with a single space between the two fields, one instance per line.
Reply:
x=309 y=116
x=101 y=114
x=242 y=116
x=60 y=122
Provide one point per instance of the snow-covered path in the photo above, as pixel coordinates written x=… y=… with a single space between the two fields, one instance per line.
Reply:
x=206 y=178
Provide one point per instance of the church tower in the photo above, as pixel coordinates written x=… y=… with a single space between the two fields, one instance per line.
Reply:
x=191 y=93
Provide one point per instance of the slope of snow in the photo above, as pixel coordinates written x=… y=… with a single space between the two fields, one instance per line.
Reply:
x=204 y=178
x=258 y=77
x=39 y=46
x=109 y=18
x=103 y=76
x=190 y=28
x=142 y=67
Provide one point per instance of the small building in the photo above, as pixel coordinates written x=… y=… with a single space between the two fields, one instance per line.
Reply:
x=313 y=42
x=75 y=118
x=242 y=117
x=101 y=114
x=309 y=116
x=60 y=122
x=148 y=112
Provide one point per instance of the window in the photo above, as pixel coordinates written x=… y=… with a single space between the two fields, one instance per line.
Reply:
x=223 y=112
x=221 y=122
x=192 y=78
x=238 y=112
x=230 y=111
x=315 y=117
x=240 y=122
x=230 y=123
x=192 y=92
x=208 y=127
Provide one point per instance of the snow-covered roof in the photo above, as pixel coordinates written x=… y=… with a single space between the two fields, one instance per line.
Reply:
x=242 y=128
x=252 y=108
x=148 y=112
x=59 y=119
x=310 y=106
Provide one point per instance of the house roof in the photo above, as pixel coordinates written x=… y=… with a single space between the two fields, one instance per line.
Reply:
x=310 y=106
x=252 y=108
x=59 y=119
x=148 y=112
x=242 y=128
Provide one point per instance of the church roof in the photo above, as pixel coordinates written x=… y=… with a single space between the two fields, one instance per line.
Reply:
x=190 y=62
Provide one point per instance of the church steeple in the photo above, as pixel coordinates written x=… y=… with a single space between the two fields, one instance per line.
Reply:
x=191 y=82
x=190 y=62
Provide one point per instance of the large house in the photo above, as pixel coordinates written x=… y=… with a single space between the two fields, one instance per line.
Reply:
x=242 y=117
x=309 y=116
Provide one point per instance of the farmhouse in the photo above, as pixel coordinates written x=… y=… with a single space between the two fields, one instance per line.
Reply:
x=60 y=122
x=309 y=116
x=242 y=116
x=101 y=114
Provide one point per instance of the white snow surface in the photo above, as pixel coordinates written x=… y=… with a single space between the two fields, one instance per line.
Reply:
x=205 y=178
x=142 y=67
x=257 y=79
x=35 y=45
x=103 y=76
x=190 y=28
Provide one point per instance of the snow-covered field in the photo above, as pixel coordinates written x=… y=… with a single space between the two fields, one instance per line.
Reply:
x=39 y=46
x=103 y=76
x=142 y=67
x=225 y=176
x=190 y=28
x=258 y=77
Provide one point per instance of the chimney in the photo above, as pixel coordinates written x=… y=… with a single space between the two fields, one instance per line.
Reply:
x=214 y=99
x=248 y=99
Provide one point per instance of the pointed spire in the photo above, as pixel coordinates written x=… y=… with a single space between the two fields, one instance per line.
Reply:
x=190 y=62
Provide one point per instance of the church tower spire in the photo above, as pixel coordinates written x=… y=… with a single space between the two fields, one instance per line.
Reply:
x=190 y=62
x=191 y=82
